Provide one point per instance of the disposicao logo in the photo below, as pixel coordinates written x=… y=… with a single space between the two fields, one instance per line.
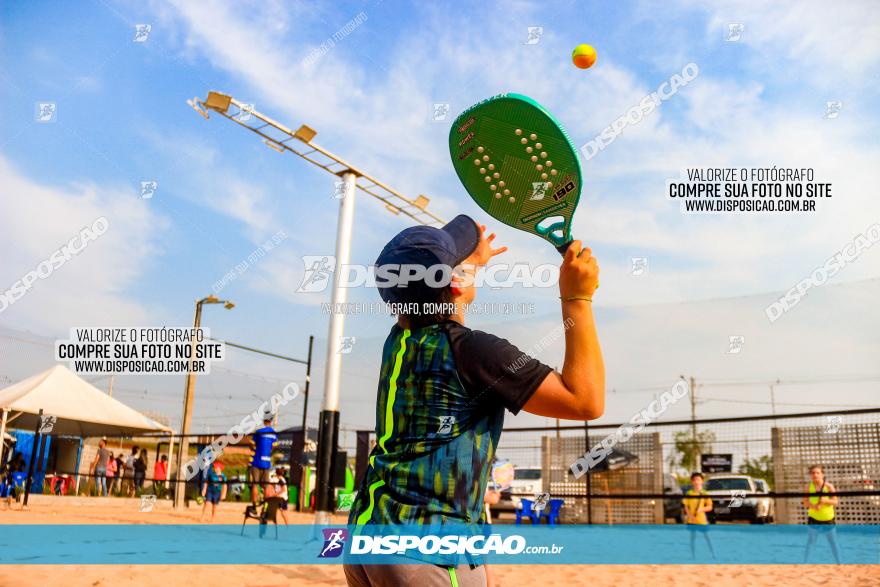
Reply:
x=334 y=542
x=433 y=544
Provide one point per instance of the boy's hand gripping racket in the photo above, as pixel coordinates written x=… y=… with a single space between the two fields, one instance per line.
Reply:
x=516 y=161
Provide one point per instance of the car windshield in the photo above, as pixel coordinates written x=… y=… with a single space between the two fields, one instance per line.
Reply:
x=725 y=483
x=527 y=474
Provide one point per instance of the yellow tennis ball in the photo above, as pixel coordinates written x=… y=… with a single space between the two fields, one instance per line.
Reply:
x=583 y=56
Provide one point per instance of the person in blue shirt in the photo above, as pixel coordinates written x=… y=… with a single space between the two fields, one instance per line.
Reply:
x=262 y=442
x=213 y=489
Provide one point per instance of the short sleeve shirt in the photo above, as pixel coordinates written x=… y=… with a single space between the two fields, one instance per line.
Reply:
x=214 y=481
x=103 y=458
x=492 y=368
x=443 y=391
x=693 y=506
x=264 y=440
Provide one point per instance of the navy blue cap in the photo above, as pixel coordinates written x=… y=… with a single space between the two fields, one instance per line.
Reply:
x=428 y=246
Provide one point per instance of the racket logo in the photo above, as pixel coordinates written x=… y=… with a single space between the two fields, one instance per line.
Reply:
x=466 y=140
x=539 y=190
x=467 y=124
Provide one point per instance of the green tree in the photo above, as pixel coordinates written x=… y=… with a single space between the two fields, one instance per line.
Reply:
x=688 y=448
x=760 y=468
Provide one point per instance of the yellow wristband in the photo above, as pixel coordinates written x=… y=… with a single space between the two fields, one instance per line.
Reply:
x=573 y=298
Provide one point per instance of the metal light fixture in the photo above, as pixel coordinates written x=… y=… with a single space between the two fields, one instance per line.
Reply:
x=217 y=101
x=305 y=133
x=273 y=145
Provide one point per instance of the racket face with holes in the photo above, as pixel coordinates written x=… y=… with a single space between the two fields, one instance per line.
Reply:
x=518 y=164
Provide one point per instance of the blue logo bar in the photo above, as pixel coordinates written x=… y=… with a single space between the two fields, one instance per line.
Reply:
x=448 y=544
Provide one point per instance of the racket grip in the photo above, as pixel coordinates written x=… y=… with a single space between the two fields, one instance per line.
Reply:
x=563 y=248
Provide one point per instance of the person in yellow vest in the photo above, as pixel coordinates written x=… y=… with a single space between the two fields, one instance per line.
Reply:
x=820 y=511
x=696 y=510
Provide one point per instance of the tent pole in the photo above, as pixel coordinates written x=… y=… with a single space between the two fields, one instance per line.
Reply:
x=3 y=433
x=34 y=450
x=170 y=469
x=79 y=449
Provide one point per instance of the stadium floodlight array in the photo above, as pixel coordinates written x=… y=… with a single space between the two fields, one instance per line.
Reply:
x=300 y=142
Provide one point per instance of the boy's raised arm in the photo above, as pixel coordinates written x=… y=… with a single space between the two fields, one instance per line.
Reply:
x=578 y=393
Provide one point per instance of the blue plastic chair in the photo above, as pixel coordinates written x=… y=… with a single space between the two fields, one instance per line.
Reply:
x=525 y=509
x=551 y=512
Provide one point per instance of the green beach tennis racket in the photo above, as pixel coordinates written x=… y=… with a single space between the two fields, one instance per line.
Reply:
x=518 y=164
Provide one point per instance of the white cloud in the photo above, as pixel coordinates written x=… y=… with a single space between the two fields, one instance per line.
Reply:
x=814 y=36
x=91 y=288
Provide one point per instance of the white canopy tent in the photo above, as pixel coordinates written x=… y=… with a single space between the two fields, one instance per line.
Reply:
x=81 y=408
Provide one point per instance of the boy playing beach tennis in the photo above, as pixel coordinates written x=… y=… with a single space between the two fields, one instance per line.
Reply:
x=443 y=390
x=696 y=510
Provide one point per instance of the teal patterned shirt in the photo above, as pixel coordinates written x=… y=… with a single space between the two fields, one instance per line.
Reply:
x=442 y=394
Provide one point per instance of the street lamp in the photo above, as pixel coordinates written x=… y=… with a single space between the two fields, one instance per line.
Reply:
x=183 y=447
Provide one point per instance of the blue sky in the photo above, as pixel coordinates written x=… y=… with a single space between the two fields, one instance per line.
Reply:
x=122 y=119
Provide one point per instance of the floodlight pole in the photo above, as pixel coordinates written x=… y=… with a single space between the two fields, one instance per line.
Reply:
x=328 y=428
x=188 y=393
x=186 y=420
x=3 y=418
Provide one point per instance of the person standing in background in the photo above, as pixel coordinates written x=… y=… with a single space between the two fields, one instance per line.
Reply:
x=120 y=471
x=129 y=472
x=111 y=473
x=160 y=475
x=140 y=471
x=262 y=442
x=213 y=489
x=99 y=467
x=279 y=490
x=696 y=510
x=820 y=512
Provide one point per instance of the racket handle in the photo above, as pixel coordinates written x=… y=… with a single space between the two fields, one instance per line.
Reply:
x=563 y=248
